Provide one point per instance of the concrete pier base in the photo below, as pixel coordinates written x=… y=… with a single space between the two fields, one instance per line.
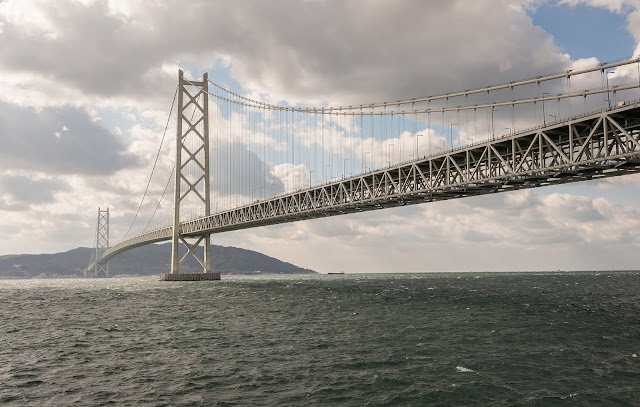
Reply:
x=189 y=276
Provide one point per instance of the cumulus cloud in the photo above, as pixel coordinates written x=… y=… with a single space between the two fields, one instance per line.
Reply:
x=461 y=235
x=339 y=51
x=117 y=60
x=19 y=192
x=36 y=140
x=239 y=171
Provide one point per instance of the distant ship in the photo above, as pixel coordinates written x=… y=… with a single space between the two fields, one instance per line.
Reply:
x=338 y=272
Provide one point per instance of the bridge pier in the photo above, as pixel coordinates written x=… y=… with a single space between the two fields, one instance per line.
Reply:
x=189 y=276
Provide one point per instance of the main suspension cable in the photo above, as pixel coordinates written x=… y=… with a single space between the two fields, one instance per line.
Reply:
x=160 y=201
x=446 y=96
x=154 y=164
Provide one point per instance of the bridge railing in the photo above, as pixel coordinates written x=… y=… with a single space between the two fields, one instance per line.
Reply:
x=427 y=179
x=384 y=185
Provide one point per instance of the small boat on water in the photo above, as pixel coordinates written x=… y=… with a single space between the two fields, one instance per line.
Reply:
x=338 y=272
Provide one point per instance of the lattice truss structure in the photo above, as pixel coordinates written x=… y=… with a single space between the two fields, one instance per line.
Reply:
x=101 y=268
x=599 y=145
x=192 y=180
x=300 y=143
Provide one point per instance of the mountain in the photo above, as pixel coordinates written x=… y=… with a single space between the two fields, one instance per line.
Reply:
x=146 y=260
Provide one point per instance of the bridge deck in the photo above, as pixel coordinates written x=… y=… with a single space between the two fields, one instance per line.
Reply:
x=601 y=144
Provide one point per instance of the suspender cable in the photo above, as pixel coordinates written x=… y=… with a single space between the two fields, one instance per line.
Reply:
x=154 y=164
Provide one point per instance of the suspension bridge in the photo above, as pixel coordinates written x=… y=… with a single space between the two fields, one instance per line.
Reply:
x=238 y=162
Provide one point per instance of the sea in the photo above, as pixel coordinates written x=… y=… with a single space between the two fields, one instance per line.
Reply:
x=432 y=339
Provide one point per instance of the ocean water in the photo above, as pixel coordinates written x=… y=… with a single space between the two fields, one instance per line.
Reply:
x=495 y=339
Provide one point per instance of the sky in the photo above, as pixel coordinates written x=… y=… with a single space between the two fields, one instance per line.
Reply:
x=86 y=87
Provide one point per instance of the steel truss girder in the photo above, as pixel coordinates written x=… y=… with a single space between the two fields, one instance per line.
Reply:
x=594 y=146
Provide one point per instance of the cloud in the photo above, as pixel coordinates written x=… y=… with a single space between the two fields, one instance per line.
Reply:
x=566 y=207
x=615 y=6
x=20 y=192
x=32 y=140
x=76 y=61
x=237 y=171
x=100 y=68
x=336 y=51
x=534 y=232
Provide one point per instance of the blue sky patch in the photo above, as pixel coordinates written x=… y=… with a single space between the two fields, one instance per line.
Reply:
x=585 y=32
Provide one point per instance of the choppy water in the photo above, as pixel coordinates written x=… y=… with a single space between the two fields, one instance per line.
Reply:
x=432 y=339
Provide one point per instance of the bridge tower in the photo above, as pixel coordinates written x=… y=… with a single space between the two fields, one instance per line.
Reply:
x=102 y=243
x=192 y=181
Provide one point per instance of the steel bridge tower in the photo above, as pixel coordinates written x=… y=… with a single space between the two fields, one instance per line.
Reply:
x=192 y=181
x=101 y=269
